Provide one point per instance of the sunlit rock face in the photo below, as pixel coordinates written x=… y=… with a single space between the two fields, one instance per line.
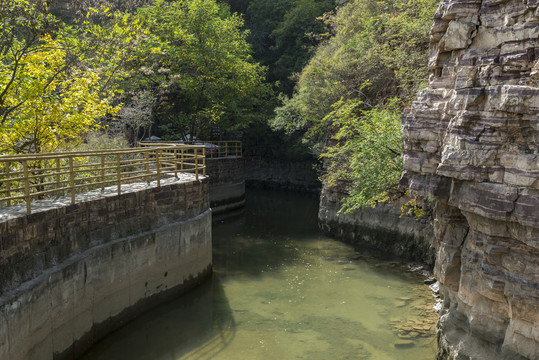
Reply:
x=471 y=142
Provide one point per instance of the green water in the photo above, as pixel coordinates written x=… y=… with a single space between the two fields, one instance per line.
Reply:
x=282 y=291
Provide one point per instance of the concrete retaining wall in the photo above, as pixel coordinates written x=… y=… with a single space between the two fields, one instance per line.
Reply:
x=73 y=273
x=227 y=183
x=281 y=175
x=383 y=228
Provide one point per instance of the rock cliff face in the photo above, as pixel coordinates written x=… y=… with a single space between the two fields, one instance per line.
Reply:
x=471 y=142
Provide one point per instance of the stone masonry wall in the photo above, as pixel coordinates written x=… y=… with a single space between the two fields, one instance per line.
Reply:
x=472 y=142
x=279 y=174
x=72 y=273
x=227 y=183
x=383 y=228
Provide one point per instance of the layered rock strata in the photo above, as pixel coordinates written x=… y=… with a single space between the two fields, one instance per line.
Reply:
x=471 y=142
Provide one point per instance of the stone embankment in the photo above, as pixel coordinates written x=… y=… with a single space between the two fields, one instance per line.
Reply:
x=71 y=273
x=383 y=227
x=281 y=175
x=227 y=183
x=472 y=143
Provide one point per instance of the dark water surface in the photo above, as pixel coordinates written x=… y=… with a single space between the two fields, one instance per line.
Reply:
x=282 y=291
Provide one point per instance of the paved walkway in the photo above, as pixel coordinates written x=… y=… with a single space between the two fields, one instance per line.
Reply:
x=11 y=212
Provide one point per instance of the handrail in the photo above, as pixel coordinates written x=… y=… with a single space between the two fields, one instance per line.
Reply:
x=37 y=176
x=214 y=149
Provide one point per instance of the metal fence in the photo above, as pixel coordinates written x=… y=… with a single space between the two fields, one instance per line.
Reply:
x=214 y=149
x=24 y=178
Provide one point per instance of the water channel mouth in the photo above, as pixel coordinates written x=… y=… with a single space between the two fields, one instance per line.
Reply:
x=280 y=290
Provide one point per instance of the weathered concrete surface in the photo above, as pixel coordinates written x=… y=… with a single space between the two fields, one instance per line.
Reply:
x=382 y=228
x=281 y=175
x=85 y=269
x=227 y=183
x=472 y=142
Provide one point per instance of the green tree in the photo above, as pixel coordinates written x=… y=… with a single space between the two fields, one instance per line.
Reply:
x=203 y=72
x=284 y=34
x=367 y=151
x=345 y=95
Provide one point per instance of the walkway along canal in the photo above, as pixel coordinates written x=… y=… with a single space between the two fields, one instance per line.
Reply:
x=280 y=290
x=73 y=268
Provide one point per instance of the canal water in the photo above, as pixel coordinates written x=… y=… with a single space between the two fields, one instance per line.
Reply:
x=280 y=290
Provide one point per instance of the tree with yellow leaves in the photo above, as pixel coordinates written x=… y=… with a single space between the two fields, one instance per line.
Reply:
x=54 y=106
x=57 y=82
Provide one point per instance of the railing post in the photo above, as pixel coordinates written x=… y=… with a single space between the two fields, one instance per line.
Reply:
x=147 y=165
x=175 y=162
x=71 y=179
x=226 y=149
x=158 y=166
x=181 y=161
x=8 y=182
x=204 y=161
x=26 y=187
x=58 y=168
x=102 y=172
x=119 y=173
x=196 y=162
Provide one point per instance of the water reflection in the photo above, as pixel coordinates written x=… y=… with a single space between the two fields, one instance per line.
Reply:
x=282 y=291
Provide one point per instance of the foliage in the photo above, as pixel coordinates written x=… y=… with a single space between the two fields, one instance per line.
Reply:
x=377 y=51
x=203 y=72
x=413 y=208
x=182 y=60
x=284 y=34
x=102 y=140
x=57 y=82
x=52 y=105
x=77 y=11
x=367 y=151
x=22 y=24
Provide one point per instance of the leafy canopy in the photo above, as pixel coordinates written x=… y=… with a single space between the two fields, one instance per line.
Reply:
x=203 y=67
x=58 y=81
x=349 y=97
x=51 y=94
x=53 y=107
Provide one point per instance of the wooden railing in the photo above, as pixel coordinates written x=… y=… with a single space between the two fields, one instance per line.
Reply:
x=24 y=178
x=214 y=149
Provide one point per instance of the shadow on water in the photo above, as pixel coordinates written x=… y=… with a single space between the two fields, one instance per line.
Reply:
x=196 y=326
x=260 y=238
x=280 y=290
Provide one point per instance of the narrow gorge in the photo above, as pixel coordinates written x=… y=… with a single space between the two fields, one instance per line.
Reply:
x=471 y=143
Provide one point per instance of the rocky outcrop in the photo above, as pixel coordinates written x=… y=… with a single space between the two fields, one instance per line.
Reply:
x=471 y=142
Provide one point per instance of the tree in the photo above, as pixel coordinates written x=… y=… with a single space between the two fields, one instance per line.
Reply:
x=366 y=152
x=57 y=81
x=345 y=101
x=135 y=117
x=51 y=108
x=284 y=34
x=204 y=73
x=22 y=24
